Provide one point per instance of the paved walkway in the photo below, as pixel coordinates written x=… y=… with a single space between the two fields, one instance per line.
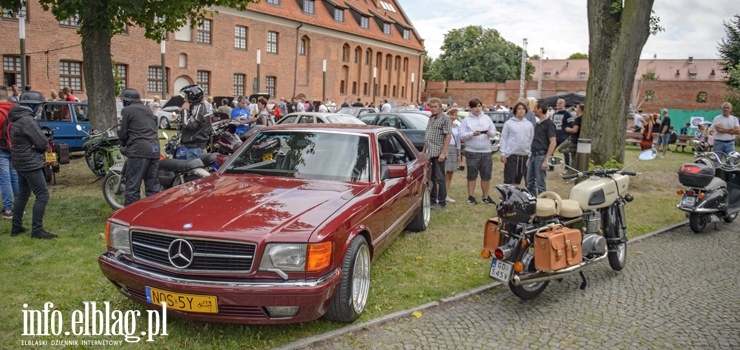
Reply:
x=679 y=290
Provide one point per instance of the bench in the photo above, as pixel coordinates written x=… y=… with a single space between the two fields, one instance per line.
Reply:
x=634 y=137
x=683 y=141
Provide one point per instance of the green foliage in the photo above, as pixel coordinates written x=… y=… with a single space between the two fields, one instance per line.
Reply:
x=116 y=79
x=578 y=56
x=475 y=54
x=735 y=101
x=729 y=52
x=534 y=57
x=613 y=163
x=650 y=75
x=431 y=69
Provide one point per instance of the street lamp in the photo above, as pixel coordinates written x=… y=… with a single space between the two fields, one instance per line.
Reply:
x=258 y=71
x=411 y=97
x=375 y=85
x=539 y=79
x=323 y=85
x=164 y=70
x=22 y=36
x=524 y=68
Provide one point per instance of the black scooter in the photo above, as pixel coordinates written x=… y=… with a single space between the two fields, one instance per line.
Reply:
x=713 y=189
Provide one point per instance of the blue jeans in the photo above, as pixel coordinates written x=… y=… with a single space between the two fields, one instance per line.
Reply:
x=721 y=148
x=193 y=153
x=535 y=175
x=8 y=181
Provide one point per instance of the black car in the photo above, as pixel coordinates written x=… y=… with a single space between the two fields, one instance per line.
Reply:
x=413 y=125
x=498 y=118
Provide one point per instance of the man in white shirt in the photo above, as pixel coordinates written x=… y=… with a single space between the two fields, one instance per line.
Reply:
x=726 y=128
x=476 y=131
x=386 y=107
x=639 y=121
x=322 y=108
x=516 y=141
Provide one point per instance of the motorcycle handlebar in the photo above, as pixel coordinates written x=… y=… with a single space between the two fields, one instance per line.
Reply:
x=570 y=176
x=629 y=173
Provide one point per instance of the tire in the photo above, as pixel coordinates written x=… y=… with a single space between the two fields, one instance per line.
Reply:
x=696 y=223
x=421 y=218
x=617 y=251
x=350 y=297
x=115 y=200
x=164 y=123
x=528 y=291
x=730 y=218
x=48 y=173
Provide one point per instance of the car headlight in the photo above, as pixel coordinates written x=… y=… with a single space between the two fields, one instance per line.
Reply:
x=117 y=237
x=284 y=256
x=296 y=257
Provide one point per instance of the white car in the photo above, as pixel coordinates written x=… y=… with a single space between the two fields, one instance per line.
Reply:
x=165 y=116
x=317 y=117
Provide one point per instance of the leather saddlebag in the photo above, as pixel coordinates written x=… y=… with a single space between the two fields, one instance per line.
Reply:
x=556 y=248
x=492 y=237
x=63 y=153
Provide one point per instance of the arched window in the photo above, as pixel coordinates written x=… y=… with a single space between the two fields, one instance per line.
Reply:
x=345 y=53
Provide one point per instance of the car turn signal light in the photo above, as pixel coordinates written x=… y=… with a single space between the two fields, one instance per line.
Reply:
x=107 y=233
x=680 y=192
x=318 y=256
x=485 y=254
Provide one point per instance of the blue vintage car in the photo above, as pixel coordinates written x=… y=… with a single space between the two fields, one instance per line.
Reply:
x=63 y=117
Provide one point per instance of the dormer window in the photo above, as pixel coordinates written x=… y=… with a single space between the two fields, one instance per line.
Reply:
x=406 y=34
x=547 y=74
x=387 y=28
x=309 y=6
x=678 y=72
x=365 y=22
x=712 y=73
x=339 y=15
x=692 y=75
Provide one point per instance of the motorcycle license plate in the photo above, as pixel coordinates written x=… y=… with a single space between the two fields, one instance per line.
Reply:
x=267 y=157
x=501 y=270
x=51 y=157
x=689 y=201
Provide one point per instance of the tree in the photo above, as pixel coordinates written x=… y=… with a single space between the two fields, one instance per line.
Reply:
x=618 y=31
x=431 y=69
x=729 y=52
x=578 y=56
x=650 y=75
x=101 y=19
x=476 y=54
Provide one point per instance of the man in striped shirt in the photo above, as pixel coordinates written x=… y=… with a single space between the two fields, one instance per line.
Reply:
x=476 y=130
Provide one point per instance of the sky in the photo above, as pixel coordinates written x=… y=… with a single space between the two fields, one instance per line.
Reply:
x=692 y=27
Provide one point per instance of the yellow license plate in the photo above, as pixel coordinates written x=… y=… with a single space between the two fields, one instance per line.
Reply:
x=51 y=157
x=183 y=302
x=267 y=157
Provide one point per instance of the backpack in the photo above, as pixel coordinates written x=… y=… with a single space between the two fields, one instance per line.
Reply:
x=5 y=142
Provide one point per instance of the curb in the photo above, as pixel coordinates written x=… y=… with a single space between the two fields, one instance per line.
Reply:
x=305 y=342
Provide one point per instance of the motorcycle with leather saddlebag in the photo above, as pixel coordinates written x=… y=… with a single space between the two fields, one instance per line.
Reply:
x=56 y=154
x=712 y=191
x=102 y=150
x=535 y=240
x=173 y=149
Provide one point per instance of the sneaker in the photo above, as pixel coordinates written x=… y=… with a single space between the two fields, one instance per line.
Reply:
x=461 y=168
x=471 y=200
x=488 y=200
x=43 y=235
x=450 y=200
x=662 y=156
x=437 y=207
x=6 y=214
x=16 y=232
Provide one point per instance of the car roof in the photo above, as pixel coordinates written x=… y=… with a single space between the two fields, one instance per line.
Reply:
x=349 y=128
x=318 y=114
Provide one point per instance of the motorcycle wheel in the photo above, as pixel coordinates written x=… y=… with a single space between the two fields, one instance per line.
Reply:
x=696 y=223
x=730 y=218
x=114 y=199
x=530 y=290
x=617 y=251
x=48 y=173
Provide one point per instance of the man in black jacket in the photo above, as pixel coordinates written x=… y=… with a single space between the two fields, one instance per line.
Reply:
x=139 y=135
x=29 y=147
x=196 y=124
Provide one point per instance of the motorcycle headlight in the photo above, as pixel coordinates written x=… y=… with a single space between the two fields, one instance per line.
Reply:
x=284 y=256
x=117 y=237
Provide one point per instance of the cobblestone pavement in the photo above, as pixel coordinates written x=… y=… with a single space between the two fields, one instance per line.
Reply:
x=679 y=290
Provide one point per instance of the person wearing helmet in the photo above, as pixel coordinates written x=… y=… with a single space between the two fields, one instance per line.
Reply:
x=29 y=146
x=196 y=123
x=139 y=135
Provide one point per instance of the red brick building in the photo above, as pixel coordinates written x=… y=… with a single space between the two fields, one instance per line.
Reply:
x=686 y=84
x=357 y=38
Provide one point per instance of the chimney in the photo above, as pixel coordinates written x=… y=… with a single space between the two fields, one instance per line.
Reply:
x=691 y=59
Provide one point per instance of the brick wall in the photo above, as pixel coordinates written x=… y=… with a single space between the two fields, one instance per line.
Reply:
x=47 y=43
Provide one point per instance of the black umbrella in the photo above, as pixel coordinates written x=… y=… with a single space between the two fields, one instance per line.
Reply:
x=258 y=95
x=175 y=100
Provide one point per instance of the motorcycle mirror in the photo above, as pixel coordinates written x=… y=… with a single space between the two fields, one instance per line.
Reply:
x=553 y=161
x=78 y=127
x=648 y=154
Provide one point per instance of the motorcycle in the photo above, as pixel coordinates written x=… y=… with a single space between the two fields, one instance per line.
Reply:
x=224 y=139
x=535 y=240
x=172 y=172
x=173 y=149
x=102 y=150
x=713 y=189
x=52 y=155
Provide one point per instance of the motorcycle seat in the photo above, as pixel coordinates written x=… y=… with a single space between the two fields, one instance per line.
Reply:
x=178 y=165
x=209 y=158
x=716 y=182
x=546 y=207
x=570 y=208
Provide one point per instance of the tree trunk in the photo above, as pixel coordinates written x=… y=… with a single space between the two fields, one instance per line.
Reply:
x=98 y=70
x=616 y=41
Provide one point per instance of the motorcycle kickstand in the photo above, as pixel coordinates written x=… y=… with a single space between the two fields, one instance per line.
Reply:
x=584 y=283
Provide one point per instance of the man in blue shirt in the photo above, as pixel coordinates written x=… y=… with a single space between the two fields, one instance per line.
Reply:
x=241 y=115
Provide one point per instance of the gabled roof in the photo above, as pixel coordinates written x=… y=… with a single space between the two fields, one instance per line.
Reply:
x=292 y=10
x=664 y=69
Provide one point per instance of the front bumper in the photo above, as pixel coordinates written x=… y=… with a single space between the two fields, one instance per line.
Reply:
x=238 y=301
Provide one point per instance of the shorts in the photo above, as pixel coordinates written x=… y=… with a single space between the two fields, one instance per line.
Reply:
x=479 y=163
x=663 y=139
x=451 y=160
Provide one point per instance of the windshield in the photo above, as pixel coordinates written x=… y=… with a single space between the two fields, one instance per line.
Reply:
x=341 y=119
x=417 y=121
x=305 y=155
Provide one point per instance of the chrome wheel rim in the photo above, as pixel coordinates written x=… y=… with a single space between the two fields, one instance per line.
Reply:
x=361 y=279
x=427 y=206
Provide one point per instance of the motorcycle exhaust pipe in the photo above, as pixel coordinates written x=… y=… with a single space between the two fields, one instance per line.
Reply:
x=536 y=277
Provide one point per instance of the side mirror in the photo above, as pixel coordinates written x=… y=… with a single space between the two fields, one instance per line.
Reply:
x=553 y=161
x=648 y=154
x=385 y=172
x=78 y=127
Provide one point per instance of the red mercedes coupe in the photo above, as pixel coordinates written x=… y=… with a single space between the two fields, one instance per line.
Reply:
x=284 y=232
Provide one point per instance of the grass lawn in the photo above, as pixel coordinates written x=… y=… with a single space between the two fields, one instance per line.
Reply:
x=416 y=269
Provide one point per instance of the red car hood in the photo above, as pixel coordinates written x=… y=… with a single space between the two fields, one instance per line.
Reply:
x=240 y=207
